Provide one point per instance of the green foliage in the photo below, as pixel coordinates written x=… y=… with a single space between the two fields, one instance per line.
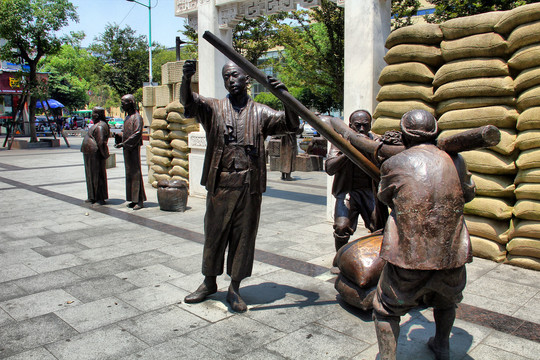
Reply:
x=450 y=9
x=402 y=12
x=161 y=56
x=124 y=57
x=29 y=27
x=254 y=37
x=314 y=55
x=269 y=100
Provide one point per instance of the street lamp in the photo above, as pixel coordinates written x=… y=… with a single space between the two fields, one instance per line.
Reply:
x=149 y=38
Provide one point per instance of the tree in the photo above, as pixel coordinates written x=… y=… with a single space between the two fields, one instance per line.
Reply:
x=29 y=27
x=70 y=75
x=124 y=58
x=403 y=11
x=450 y=9
x=160 y=56
x=314 y=54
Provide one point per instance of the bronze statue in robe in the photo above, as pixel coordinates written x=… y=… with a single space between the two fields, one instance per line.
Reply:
x=234 y=174
x=131 y=142
x=425 y=243
x=95 y=153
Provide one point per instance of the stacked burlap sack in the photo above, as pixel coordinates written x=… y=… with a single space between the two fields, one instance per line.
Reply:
x=522 y=26
x=474 y=88
x=406 y=83
x=169 y=144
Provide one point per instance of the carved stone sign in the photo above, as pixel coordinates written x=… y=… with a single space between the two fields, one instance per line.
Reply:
x=232 y=11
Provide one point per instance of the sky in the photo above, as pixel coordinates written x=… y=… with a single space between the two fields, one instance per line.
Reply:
x=94 y=15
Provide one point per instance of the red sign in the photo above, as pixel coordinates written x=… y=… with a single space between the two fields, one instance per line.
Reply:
x=10 y=83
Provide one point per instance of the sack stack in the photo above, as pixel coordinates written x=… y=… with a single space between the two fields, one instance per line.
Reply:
x=522 y=26
x=168 y=144
x=160 y=148
x=179 y=127
x=474 y=88
x=407 y=80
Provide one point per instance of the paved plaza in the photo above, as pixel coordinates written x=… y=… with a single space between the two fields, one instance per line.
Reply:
x=105 y=282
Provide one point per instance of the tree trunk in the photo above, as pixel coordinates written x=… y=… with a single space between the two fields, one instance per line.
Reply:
x=32 y=117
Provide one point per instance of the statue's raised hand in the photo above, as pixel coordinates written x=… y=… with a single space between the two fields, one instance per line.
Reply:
x=276 y=84
x=190 y=67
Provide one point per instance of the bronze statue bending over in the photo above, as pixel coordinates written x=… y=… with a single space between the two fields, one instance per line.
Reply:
x=130 y=142
x=426 y=243
x=353 y=189
x=95 y=153
x=234 y=174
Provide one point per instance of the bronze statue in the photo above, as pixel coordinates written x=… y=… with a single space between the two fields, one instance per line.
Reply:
x=287 y=155
x=130 y=141
x=426 y=243
x=234 y=174
x=95 y=153
x=353 y=189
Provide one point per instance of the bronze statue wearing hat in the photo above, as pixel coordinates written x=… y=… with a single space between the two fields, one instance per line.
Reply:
x=426 y=243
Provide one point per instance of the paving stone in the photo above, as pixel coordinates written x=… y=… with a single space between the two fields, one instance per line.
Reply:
x=150 y=275
x=262 y=354
x=21 y=244
x=153 y=297
x=9 y=290
x=319 y=342
x=182 y=250
x=96 y=314
x=492 y=353
x=235 y=336
x=178 y=348
x=15 y=271
x=55 y=263
x=506 y=291
x=31 y=333
x=35 y=354
x=105 y=343
x=162 y=325
x=187 y=265
x=352 y=322
x=491 y=304
x=19 y=257
x=47 y=281
x=103 y=253
x=99 y=287
x=38 y=304
x=513 y=344
x=59 y=249
x=146 y=258
x=516 y=275
x=66 y=237
x=100 y=268
x=5 y=318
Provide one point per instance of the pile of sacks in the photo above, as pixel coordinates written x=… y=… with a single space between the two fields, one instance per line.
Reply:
x=523 y=27
x=168 y=151
x=474 y=88
x=488 y=73
x=406 y=83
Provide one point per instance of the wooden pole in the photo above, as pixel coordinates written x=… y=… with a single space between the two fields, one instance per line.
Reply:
x=322 y=128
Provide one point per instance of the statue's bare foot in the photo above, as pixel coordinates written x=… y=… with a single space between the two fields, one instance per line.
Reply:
x=200 y=294
x=138 y=206
x=236 y=301
x=441 y=353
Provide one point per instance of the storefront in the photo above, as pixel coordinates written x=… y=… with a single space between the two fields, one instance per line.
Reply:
x=10 y=96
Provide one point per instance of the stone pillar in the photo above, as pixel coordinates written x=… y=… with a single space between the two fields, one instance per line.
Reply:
x=210 y=63
x=367 y=25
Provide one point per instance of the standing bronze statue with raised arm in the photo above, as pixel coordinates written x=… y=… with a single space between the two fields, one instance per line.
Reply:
x=426 y=243
x=95 y=153
x=130 y=142
x=234 y=174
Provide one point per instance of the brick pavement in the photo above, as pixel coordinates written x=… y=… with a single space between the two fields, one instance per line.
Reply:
x=91 y=282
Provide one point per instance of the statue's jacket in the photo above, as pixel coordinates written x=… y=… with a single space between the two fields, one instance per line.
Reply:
x=426 y=188
x=259 y=121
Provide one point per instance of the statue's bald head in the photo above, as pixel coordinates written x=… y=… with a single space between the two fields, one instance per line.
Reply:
x=232 y=65
x=235 y=79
